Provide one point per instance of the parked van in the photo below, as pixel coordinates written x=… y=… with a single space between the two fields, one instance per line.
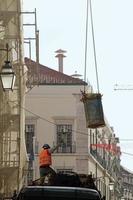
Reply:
x=57 y=193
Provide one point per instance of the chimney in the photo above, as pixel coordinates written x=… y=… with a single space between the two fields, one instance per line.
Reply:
x=60 y=55
x=76 y=75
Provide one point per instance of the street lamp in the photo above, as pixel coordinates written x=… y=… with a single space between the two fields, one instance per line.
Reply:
x=111 y=186
x=7 y=74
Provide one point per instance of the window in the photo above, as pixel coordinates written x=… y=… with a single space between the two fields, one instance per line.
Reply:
x=29 y=133
x=30 y=172
x=64 y=131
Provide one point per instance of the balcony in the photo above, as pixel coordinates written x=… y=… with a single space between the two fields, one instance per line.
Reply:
x=7 y=167
x=99 y=158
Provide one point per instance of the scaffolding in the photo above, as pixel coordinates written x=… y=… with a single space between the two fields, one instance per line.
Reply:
x=32 y=75
x=13 y=156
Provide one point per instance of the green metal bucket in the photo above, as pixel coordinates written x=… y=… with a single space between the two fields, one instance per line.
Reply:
x=93 y=110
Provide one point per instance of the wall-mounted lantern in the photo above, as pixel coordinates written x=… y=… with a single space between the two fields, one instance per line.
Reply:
x=111 y=186
x=7 y=74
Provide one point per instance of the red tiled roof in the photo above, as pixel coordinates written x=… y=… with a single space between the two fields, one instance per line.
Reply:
x=50 y=76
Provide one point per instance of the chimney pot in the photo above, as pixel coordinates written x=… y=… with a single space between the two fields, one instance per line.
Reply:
x=60 y=55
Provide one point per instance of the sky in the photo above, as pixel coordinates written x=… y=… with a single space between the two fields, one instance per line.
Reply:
x=62 y=25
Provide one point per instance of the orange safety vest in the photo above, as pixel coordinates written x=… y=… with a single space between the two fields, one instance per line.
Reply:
x=45 y=158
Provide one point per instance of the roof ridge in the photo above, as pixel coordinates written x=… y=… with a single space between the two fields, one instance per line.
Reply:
x=49 y=73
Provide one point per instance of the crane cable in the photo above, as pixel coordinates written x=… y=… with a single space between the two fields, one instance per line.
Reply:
x=94 y=46
x=86 y=46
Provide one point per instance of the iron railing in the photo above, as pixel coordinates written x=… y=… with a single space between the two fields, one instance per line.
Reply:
x=99 y=158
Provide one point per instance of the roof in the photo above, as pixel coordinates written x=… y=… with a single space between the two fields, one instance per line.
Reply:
x=48 y=76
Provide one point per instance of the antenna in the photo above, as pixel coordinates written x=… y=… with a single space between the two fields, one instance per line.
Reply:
x=123 y=87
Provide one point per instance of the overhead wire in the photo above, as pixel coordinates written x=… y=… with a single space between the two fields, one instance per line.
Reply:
x=129 y=154
x=77 y=131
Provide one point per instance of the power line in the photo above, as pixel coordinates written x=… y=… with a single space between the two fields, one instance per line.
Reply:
x=130 y=154
x=77 y=131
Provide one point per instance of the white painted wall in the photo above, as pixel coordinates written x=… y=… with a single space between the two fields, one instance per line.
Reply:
x=60 y=104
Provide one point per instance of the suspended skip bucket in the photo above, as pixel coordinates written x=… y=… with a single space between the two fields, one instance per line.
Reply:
x=93 y=110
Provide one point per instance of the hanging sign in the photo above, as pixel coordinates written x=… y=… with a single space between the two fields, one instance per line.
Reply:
x=108 y=147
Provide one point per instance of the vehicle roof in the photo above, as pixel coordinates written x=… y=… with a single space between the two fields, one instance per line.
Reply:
x=59 y=188
x=57 y=193
x=51 y=189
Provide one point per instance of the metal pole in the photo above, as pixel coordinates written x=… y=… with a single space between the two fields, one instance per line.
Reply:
x=30 y=49
x=96 y=154
x=37 y=48
x=21 y=96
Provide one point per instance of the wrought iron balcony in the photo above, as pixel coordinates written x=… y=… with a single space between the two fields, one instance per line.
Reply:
x=8 y=163
x=99 y=158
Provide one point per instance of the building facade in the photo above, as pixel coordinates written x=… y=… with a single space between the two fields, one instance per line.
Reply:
x=127 y=184
x=12 y=117
x=54 y=110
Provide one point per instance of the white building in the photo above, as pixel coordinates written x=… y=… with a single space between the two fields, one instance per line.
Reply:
x=127 y=183
x=53 y=108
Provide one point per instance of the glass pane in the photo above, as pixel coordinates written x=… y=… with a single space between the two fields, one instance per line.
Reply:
x=64 y=131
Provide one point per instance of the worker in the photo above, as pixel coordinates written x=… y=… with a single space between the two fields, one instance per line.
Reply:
x=45 y=161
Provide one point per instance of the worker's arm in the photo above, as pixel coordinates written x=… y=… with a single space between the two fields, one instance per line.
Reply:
x=55 y=147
